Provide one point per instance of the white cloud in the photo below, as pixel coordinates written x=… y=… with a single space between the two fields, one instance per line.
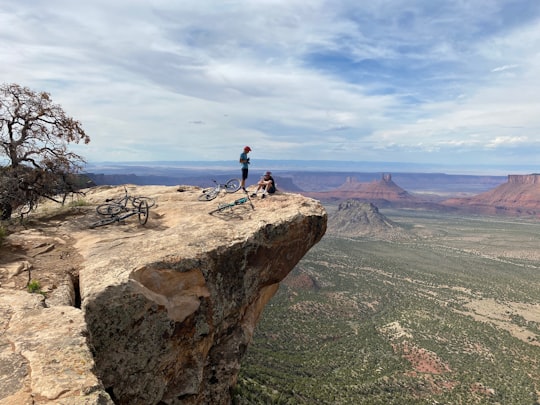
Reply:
x=503 y=68
x=295 y=79
x=502 y=141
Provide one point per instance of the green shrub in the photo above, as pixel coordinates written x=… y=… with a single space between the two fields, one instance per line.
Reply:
x=3 y=234
x=34 y=287
x=80 y=202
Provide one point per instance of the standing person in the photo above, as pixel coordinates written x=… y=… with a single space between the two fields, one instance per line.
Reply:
x=244 y=161
x=267 y=184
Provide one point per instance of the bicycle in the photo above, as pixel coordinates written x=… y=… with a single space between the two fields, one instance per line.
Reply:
x=142 y=210
x=117 y=210
x=116 y=206
x=230 y=205
x=230 y=186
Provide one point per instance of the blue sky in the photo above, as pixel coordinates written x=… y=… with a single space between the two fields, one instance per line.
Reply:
x=426 y=81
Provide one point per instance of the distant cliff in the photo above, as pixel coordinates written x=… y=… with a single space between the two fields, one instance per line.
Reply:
x=524 y=178
x=167 y=310
x=383 y=193
x=520 y=195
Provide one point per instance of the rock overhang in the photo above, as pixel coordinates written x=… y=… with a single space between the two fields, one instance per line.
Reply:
x=168 y=308
x=188 y=282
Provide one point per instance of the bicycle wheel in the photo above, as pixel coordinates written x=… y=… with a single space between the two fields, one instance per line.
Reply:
x=144 y=211
x=26 y=208
x=109 y=209
x=232 y=185
x=105 y=221
x=136 y=201
x=209 y=194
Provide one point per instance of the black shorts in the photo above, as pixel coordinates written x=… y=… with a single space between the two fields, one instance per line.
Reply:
x=244 y=174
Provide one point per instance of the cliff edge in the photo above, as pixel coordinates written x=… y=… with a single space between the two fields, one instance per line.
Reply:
x=167 y=310
x=519 y=196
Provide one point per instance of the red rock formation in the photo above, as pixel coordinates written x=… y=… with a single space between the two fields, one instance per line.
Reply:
x=520 y=195
x=381 y=193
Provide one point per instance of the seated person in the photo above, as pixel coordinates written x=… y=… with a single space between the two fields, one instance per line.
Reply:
x=266 y=184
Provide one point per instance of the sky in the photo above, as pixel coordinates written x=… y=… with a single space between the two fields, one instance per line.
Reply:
x=454 y=83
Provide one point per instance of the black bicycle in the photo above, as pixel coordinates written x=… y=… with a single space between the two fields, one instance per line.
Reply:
x=230 y=186
x=142 y=211
x=116 y=210
x=114 y=206
x=240 y=201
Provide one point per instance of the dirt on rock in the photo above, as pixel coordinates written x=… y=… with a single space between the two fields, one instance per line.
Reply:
x=36 y=252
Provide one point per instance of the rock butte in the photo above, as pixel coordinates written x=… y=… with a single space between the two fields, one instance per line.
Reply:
x=519 y=196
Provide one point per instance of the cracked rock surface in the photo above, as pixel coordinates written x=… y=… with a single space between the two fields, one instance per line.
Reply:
x=131 y=314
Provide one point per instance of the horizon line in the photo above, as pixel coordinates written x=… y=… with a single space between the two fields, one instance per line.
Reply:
x=314 y=165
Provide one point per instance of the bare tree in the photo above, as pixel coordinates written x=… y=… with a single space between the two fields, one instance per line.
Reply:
x=34 y=157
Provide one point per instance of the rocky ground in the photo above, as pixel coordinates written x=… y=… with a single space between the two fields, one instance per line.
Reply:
x=79 y=276
x=38 y=250
x=43 y=353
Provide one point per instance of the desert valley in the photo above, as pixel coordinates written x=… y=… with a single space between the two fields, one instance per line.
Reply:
x=419 y=294
x=415 y=302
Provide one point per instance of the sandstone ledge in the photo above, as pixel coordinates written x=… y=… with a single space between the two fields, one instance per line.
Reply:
x=170 y=307
x=44 y=356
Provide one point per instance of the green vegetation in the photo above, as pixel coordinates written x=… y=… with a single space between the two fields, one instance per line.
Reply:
x=34 y=287
x=79 y=202
x=450 y=316
x=3 y=234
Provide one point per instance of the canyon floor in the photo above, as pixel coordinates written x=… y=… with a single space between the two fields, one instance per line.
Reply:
x=450 y=314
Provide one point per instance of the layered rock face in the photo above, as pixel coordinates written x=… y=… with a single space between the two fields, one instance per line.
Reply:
x=524 y=178
x=169 y=308
x=520 y=195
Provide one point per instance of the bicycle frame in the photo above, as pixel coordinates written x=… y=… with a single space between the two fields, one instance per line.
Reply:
x=230 y=186
x=143 y=210
x=114 y=206
x=134 y=200
x=120 y=201
x=240 y=201
x=117 y=209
